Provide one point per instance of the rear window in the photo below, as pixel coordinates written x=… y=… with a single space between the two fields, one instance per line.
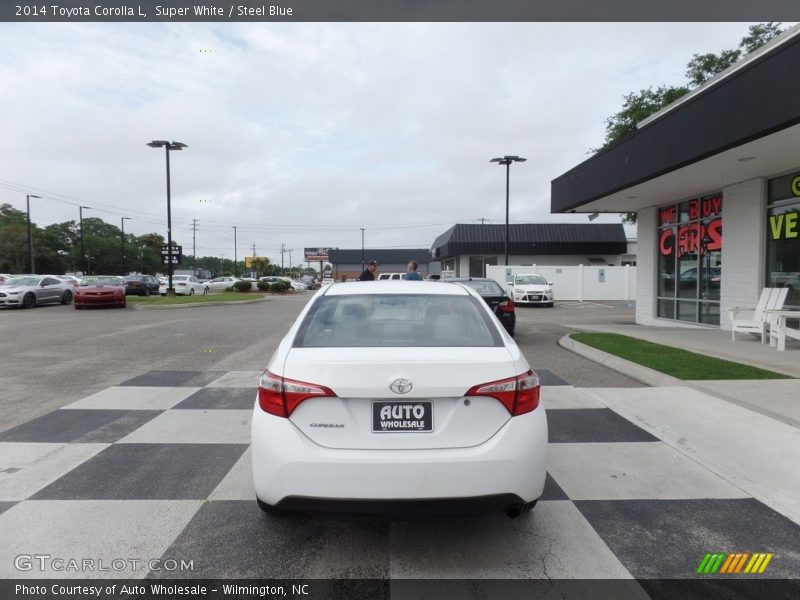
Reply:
x=373 y=320
x=485 y=288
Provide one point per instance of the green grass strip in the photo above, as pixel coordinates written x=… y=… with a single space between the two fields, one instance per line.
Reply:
x=672 y=361
x=222 y=297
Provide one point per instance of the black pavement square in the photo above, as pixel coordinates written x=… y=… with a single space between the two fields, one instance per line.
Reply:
x=147 y=472
x=668 y=539
x=552 y=491
x=547 y=377
x=175 y=378
x=234 y=539
x=219 y=398
x=80 y=425
x=4 y=506
x=592 y=425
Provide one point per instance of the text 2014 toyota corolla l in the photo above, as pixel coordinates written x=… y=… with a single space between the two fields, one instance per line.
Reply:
x=402 y=398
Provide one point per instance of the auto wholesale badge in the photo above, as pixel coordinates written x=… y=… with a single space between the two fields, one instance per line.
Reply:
x=401 y=386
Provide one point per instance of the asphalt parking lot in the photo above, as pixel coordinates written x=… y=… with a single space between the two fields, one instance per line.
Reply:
x=125 y=434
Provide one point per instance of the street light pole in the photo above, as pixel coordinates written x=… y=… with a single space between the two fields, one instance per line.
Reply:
x=235 y=255
x=168 y=146
x=122 y=223
x=84 y=268
x=507 y=160
x=362 y=250
x=31 y=268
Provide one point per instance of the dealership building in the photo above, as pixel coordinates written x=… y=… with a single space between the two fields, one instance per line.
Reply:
x=715 y=181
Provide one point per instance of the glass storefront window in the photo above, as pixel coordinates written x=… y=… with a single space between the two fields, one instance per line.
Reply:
x=690 y=260
x=783 y=236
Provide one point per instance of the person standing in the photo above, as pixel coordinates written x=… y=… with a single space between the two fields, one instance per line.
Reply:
x=411 y=272
x=369 y=272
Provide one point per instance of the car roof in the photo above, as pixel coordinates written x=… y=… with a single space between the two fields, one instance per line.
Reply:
x=457 y=279
x=391 y=286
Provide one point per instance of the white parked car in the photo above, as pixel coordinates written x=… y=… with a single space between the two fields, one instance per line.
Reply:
x=220 y=283
x=391 y=276
x=185 y=285
x=390 y=398
x=532 y=289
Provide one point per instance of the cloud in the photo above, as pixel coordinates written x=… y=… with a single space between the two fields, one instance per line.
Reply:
x=302 y=133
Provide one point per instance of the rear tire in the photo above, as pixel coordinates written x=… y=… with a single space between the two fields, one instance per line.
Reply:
x=66 y=298
x=147 y=292
x=29 y=301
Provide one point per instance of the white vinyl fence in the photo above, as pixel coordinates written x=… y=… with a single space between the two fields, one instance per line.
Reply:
x=576 y=283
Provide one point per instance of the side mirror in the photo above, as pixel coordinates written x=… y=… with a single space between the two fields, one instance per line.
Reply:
x=510 y=283
x=550 y=283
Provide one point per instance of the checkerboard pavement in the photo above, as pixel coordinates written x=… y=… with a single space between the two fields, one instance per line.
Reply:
x=159 y=467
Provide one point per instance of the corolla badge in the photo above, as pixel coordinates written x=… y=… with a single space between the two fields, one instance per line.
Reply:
x=401 y=386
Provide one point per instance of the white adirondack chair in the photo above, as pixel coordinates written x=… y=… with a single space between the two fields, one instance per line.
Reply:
x=754 y=320
x=772 y=318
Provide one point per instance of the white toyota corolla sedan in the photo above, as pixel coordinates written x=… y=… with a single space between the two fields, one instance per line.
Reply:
x=406 y=397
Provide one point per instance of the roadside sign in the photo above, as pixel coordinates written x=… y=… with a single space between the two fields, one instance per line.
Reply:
x=317 y=254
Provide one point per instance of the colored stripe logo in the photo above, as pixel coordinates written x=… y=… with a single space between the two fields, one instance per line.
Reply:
x=734 y=562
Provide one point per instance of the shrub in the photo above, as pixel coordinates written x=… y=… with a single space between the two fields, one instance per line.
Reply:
x=229 y=289
x=243 y=286
x=263 y=286
x=279 y=286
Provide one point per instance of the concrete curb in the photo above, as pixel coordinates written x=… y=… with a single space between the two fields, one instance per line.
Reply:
x=635 y=371
x=197 y=304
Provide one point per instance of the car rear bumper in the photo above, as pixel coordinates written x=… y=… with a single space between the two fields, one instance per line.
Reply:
x=289 y=469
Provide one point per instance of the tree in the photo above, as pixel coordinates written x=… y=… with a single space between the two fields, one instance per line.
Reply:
x=703 y=67
x=638 y=106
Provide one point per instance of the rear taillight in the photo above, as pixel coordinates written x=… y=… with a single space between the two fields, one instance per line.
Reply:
x=507 y=306
x=518 y=394
x=279 y=396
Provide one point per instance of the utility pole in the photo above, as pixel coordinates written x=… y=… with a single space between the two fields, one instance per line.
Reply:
x=282 y=251
x=194 y=247
x=122 y=227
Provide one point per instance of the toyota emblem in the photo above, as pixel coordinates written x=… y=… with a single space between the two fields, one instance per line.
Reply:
x=401 y=386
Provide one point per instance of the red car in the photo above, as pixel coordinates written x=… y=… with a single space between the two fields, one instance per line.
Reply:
x=100 y=290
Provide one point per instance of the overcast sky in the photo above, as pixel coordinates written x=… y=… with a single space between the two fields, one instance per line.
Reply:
x=303 y=133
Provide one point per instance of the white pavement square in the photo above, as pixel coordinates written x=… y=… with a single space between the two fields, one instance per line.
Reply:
x=99 y=530
x=567 y=396
x=136 y=398
x=26 y=468
x=194 y=427
x=554 y=541
x=238 y=379
x=759 y=454
x=633 y=471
